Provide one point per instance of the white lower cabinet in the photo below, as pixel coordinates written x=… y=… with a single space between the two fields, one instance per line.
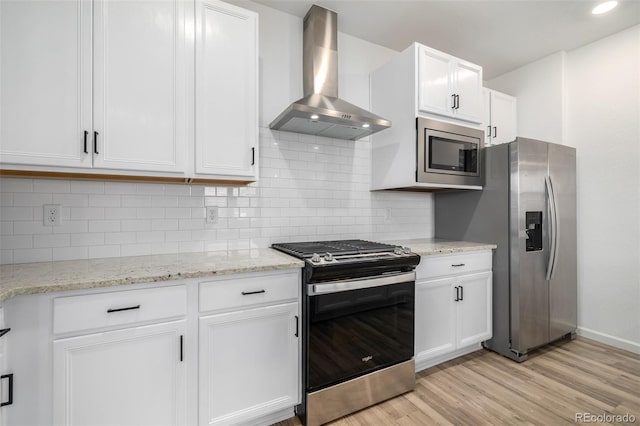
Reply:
x=134 y=376
x=248 y=364
x=453 y=310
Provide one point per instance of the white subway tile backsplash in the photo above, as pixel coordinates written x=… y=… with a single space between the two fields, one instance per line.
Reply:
x=32 y=255
x=309 y=188
x=51 y=240
x=16 y=241
x=86 y=187
x=104 y=226
x=87 y=239
x=16 y=213
x=97 y=252
x=70 y=253
x=16 y=185
x=135 y=249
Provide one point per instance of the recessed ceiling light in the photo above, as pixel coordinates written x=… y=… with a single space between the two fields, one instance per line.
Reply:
x=314 y=116
x=365 y=125
x=604 y=7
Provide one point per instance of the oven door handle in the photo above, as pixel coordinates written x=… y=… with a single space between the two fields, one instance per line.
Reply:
x=338 y=286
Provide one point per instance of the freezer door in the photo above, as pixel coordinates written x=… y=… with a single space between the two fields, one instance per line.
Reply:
x=563 y=282
x=529 y=289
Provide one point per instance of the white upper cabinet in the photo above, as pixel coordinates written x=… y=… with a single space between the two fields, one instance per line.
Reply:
x=226 y=90
x=449 y=86
x=500 y=117
x=133 y=87
x=140 y=84
x=94 y=84
x=45 y=74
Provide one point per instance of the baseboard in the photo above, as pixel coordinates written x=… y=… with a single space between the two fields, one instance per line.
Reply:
x=426 y=363
x=610 y=340
x=276 y=417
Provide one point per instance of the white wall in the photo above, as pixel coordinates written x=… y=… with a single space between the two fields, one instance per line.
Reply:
x=309 y=188
x=589 y=98
x=603 y=122
x=538 y=87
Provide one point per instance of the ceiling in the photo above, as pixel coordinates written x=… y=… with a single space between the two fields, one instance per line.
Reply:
x=499 y=35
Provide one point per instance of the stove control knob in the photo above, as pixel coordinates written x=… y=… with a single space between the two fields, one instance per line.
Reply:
x=315 y=258
x=406 y=250
x=328 y=257
x=397 y=250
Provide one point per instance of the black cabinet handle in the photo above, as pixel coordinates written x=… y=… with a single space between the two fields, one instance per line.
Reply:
x=181 y=347
x=457 y=293
x=296 y=334
x=130 y=308
x=457 y=265
x=489 y=131
x=253 y=155
x=454 y=101
x=461 y=293
x=9 y=400
x=4 y=331
x=246 y=293
x=495 y=132
x=95 y=142
x=86 y=135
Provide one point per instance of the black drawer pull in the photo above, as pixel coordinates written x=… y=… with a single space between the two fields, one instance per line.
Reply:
x=10 y=396
x=246 y=293
x=297 y=327
x=4 y=331
x=457 y=265
x=253 y=156
x=457 y=294
x=130 y=308
x=461 y=293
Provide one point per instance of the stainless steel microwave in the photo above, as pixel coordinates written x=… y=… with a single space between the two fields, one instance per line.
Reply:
x=448 y=154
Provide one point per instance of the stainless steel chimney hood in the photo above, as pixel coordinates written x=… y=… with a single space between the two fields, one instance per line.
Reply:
x=320 y=112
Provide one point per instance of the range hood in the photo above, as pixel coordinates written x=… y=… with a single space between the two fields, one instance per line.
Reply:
x=320 y=112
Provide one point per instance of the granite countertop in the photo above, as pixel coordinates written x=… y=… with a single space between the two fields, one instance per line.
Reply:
x=431 y=246
x=45 y=277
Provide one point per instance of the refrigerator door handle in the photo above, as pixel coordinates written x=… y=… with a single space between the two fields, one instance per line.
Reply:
x=553 y=221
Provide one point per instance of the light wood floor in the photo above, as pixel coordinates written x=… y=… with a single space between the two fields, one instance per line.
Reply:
x=486 y=388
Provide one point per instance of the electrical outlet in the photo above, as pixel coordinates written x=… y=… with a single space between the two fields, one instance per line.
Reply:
x=51 y=214
x=212 y=214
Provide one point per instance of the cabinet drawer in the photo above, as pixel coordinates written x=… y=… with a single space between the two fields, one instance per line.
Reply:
x=76 y=313
x=450 y=264
x=248 y=291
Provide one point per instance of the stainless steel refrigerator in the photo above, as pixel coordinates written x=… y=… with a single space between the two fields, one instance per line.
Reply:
x=528 y=208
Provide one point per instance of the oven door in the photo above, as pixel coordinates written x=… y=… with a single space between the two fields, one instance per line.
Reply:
x=358 y=326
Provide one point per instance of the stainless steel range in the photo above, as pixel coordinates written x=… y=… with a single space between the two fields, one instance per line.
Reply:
x=358 y=325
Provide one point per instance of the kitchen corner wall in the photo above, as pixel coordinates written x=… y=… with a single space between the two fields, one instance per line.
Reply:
x=589 y=98
x=310 y=188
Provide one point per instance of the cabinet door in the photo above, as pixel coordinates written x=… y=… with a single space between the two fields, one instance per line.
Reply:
x=126 y=377
x=45 y=82
x=435 y=82
x=248 y=364
x=503 y=117
x=468 y=87
x=486 y=116
x=140 y=62
x=226 y=90
x=474 y=310
x=435 y=318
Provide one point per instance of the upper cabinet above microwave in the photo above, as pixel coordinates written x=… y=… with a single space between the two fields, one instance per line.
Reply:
x=448 y=86
x=417 y=84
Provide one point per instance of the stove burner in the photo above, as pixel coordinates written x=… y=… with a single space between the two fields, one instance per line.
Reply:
x=305 y=250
